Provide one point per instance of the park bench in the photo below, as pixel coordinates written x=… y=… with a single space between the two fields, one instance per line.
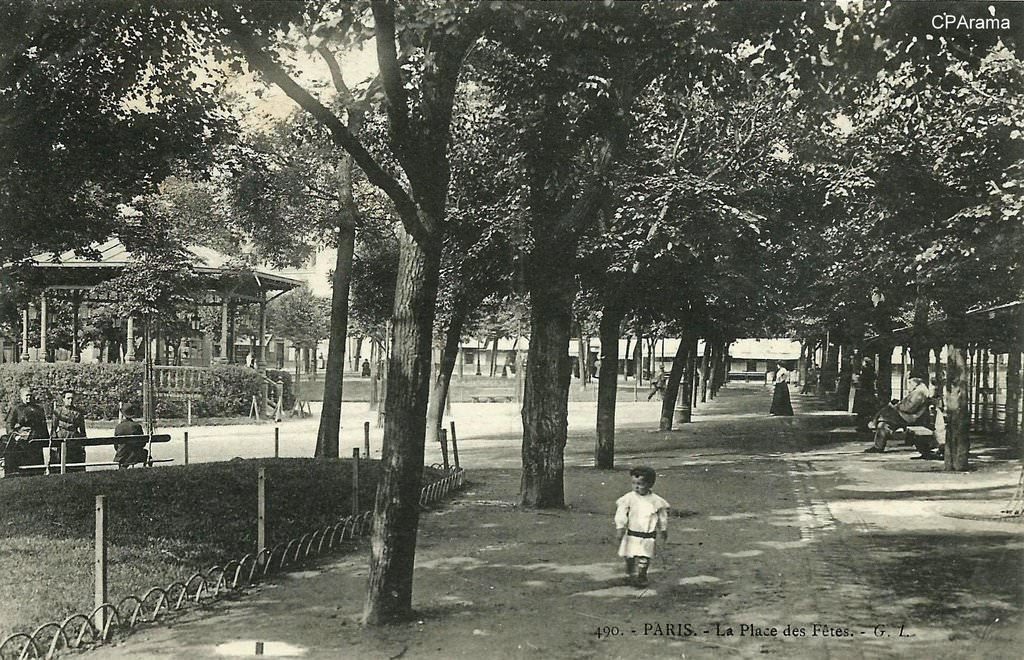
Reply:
x=106 y=441
x=491 y=397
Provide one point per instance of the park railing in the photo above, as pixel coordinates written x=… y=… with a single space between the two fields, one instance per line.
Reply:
x=83 y=631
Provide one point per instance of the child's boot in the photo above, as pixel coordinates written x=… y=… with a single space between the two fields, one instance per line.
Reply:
x=630 y=568
x=642 y=564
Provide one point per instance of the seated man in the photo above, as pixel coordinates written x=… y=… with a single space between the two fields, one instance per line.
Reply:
x=912 y=408
x=129 y=453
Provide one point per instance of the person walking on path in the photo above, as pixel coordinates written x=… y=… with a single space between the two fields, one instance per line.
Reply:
x=641 y=517
x=68 y=423
x=658 y=384
x=129 y=453
x=781 y=404
x=25 y=421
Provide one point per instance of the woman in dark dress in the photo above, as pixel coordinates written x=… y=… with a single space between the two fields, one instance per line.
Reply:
x=780 y=398
x=865 y=402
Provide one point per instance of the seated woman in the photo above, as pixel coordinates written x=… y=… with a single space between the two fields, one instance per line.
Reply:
x=912 y=408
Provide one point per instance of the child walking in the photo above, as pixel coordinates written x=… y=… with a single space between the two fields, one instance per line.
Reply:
x=640 y=517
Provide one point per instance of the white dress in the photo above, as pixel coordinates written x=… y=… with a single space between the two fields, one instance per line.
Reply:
x=645 y=514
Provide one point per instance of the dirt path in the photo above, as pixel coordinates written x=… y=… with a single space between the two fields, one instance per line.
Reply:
x=797 y=547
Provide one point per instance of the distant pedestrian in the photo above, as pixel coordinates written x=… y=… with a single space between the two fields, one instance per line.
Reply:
x=658 y=384
x=364 y=371
x=68 y=423
x=781 y=404
x=641 y=518
x=129 y=453
x=865 y=402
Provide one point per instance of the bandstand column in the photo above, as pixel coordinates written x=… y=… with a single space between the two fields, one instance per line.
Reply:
x=129 y=349
x=76 y=349
x=24 y=334
x=223 y=331
x=42 y=327
x=261 y=349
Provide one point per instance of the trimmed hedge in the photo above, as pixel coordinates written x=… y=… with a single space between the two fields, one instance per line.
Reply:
x=227 y=391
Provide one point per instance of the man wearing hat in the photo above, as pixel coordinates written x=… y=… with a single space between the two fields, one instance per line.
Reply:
x=129 y=453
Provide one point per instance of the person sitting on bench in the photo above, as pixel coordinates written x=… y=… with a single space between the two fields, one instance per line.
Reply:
x=912 y=408
x=68 y=423
x=129 y=453
x=25 y=421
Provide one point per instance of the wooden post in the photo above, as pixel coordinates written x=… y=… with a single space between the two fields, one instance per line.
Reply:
x=261 y=511
x=100 y=590
x=355 y=481
x=76 y=349
x=186 y=447
x=188 y=412
x=277 y=442
x=63 y=456
x=444 y=448
x=366 y=439
x=455 y=446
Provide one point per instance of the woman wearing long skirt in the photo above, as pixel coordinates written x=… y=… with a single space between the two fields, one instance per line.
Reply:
x=780 y=398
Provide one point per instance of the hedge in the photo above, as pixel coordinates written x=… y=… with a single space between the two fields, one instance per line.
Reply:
x=227 y=389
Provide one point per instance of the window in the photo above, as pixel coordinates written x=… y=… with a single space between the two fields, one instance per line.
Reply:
x=751 y=365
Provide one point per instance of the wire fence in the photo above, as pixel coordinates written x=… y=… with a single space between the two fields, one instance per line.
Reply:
x=83 y=631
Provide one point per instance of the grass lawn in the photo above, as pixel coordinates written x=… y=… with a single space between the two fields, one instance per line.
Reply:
x=163 y=525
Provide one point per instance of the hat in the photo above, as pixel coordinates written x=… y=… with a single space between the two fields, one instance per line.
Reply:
x=127 y=409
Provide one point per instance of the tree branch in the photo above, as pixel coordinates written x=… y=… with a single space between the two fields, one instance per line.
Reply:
x=275 y=73
x=391 y=76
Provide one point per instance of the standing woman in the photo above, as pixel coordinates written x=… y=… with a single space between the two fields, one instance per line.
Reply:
x=780 y=398
x=68 y=422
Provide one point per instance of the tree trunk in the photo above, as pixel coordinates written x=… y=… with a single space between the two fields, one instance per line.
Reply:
x=675 y=377
x=638 y=358
x=546 y=396
x=883 y=377
x=327 y=437
x=494 y=356
x=958 y=441
x=397 y=507
x=920 y=347
x=629 y=365
x=1013 y=362
x=439 y=390
x=607 y=387
x=705 y=370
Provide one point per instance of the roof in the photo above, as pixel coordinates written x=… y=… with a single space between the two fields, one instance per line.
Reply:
x=112 y=254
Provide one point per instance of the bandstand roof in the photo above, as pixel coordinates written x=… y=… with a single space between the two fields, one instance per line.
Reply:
x=71 y=270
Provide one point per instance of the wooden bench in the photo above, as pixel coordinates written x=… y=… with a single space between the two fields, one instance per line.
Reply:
x=492 y=398
x=106 y=441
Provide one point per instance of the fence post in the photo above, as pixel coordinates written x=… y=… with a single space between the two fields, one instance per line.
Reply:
x=366 y=439
x=261 y=511
x=277 y=442
x=188 y=412
x=455 y=446
x=63 y=456
x=186 y=447
x=355 y=481
x=100 y=593
x=444 y=448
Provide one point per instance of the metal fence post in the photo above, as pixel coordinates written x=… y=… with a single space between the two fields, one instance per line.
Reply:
x=261 y=511
x=444 y=448
x=277 y=442
x=355 y=481
x=186 y=447
x=101 y=561
x=455 y=446
x=366 y=439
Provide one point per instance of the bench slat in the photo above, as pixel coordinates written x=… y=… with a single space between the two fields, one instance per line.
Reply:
x=105 y=440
